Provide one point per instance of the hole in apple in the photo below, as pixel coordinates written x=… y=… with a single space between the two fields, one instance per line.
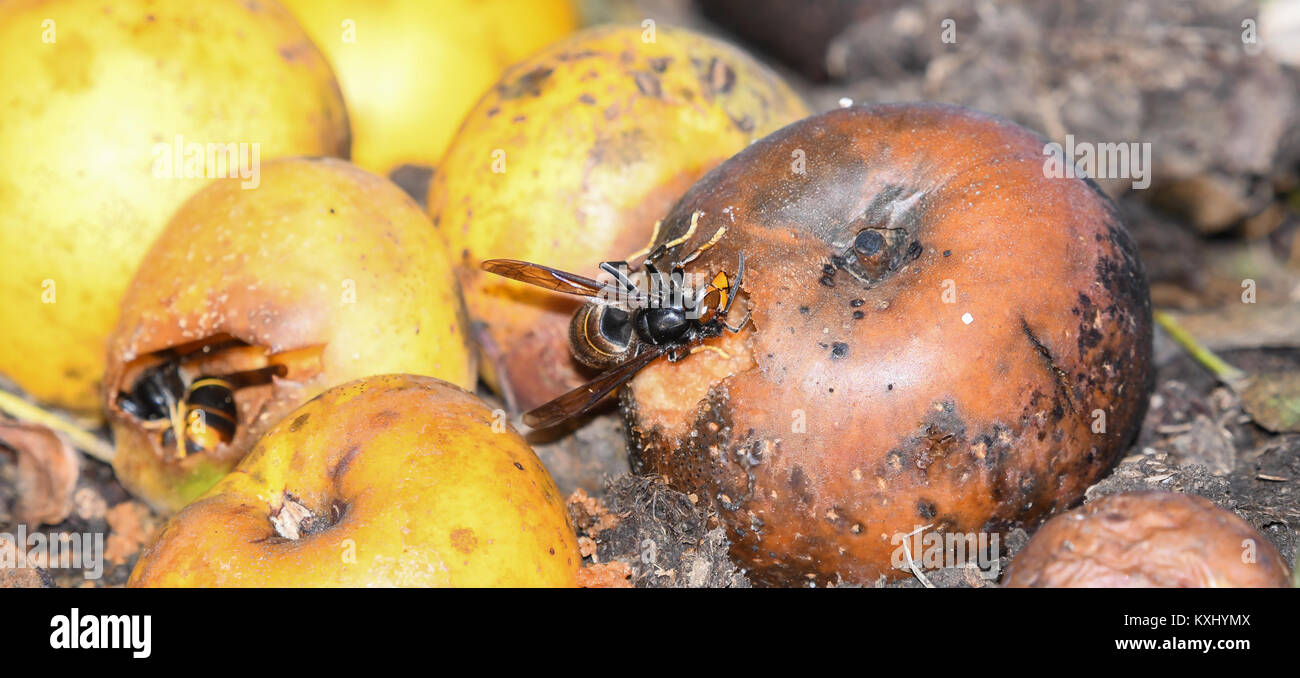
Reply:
x=195 y=397
x=666 y=394
x=293 y=520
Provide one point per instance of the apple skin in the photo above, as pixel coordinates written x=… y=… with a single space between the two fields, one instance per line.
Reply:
x=409 y=481
x=1148 y=539
x=977 y=372
x=417 y=66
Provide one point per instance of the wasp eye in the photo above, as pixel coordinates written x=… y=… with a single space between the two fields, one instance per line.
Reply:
x=705 y=310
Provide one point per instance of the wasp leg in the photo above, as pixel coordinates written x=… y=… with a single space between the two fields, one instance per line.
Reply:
x=177 y=422
x=664 y=289
x=677 y=287
x=713 y=349
x=616 y=269
x=662 y=249
x=654 y=235
x=712 y=241
x=695 y=223
x=653 y=283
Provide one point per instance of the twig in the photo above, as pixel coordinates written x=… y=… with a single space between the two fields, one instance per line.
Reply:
x=1224 y=371
x=81 y=438
x=908 y=552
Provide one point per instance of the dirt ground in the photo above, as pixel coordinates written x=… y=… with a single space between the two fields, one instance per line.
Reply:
x=1223 y=210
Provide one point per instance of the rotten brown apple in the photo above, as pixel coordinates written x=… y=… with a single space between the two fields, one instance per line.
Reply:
x=941 y=336
x=1148 y=539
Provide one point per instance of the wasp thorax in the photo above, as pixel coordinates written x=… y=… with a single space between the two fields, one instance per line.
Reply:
x=661 y=325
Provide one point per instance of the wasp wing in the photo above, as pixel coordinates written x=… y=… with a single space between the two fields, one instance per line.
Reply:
x=550 y=278
x=585 y=397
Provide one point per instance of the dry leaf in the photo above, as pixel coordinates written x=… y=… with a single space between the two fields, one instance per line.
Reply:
x=1273 y=401
x=47 y=472
x=1239 y=326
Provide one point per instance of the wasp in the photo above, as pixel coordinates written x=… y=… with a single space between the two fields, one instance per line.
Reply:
x=624 y=327
x=190 y=415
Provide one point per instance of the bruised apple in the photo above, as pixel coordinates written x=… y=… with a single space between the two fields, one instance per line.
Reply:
x=251 y=301
x=569 y=160
x=392 y=480
x=941 y=336
x=1148 y=539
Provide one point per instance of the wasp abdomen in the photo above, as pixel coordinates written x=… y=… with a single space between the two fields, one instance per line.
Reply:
x=600 y=335
x=210 y=415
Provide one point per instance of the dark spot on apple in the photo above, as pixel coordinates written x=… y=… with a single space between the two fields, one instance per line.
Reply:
x=721 y=76
x=528 y=84
x=647 y=84
x=344 y=462
x=298 y=421
x=463 y=540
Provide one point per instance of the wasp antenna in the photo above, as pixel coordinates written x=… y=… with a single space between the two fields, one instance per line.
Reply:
x=662 y=249
x=733 y=291
x=743 y=321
